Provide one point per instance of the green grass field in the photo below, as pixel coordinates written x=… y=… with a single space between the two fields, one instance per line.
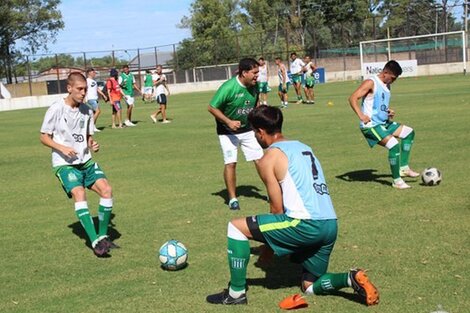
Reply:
x=167 y=182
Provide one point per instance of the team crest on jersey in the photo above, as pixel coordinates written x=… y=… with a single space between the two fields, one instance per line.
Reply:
x=247 y=102
x=71 y=177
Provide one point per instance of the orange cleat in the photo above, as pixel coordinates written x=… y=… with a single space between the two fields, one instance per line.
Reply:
x=363 y=287
x=293 y=302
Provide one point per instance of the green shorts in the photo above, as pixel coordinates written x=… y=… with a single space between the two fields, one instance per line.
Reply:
x=284 y=90
x=309 y=82
x=263 y=87
x=296 y=78
x=82 y=175
x=375 y=134
x=310 y=242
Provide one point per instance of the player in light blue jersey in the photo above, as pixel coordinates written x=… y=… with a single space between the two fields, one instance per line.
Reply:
x=302 y=220
x=377 y=123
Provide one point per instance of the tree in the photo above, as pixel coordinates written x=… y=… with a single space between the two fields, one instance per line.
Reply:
x=34 y=22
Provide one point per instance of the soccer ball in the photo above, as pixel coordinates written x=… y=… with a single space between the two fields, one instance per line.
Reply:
x=431 y=176
x=173 y=255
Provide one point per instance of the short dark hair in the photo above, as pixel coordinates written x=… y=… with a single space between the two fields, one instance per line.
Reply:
x=247 y=64
x=393 y=67
x=113 y=72
x=90 y=69
x=261 y=58
x=293 y=53
x=75 y=76
x=125 y=66
x=266 y=117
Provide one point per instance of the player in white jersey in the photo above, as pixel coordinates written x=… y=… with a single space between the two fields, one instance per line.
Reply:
x=68 y=129
x=92 y=95
x=161 y=92
x=302 y=221
x=377 y=125
x=297 y=68
x=284 y=82
x=263 y=77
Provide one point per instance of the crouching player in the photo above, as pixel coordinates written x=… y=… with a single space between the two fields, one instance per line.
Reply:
x=302 y=221
x=67 y=129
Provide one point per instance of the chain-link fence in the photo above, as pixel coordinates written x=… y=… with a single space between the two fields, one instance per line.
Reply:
x=186 y=62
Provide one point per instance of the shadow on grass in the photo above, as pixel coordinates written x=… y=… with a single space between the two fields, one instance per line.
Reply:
x=244 y=191
x=365 y=176
x=281 y=272
x=78 y=230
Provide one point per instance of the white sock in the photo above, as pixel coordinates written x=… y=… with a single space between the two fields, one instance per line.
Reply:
x=235 y=294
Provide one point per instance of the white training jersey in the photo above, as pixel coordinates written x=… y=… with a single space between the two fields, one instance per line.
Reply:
x=92 y=89
x=376 y=104
x=279 y=74
x=296 y=66
x=263 y=74
x=160 y=88
x=69 y=127
x=309 y=71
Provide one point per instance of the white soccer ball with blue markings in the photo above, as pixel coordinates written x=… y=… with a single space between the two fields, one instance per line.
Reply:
x=173 y=255
x=431 y=176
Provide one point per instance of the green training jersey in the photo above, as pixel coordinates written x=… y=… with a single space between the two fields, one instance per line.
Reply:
x=127 y=83
x=148 y=82
x=234 y=100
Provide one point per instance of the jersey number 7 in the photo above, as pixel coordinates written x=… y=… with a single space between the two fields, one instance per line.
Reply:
x=314 y=167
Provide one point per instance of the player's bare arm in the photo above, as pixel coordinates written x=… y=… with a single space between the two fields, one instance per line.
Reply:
x=93 y=145
x=365 y=88
x=233 y=125
x=272 y=168
x=46 y=139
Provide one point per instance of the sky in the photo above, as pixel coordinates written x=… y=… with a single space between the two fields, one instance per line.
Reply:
x=119 y=24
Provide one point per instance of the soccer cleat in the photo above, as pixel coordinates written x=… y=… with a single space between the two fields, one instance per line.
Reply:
x=300 y=101
x=96 y=130
x=154 y=119
x=234 y=205
x=409 y=173
x=101 y=248
x=166 y=121
x=400 y=184
x=110 y=244
x=363 y=287
x=225 y=298
x=128 y=123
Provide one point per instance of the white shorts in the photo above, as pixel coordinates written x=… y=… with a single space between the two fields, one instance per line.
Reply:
x=148 y=90
x=250 y=147
x=129 y=100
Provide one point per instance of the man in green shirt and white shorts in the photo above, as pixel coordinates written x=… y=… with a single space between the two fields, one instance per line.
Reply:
x=127 y=82
x=230 y=106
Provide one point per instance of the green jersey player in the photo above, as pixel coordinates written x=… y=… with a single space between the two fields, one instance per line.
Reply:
x=127 y=82
x=376 y=122
x=230 y=106
x=68 y=129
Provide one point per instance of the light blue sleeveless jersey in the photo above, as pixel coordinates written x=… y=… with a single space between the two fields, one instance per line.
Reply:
x=304 y=190
x=375 y=105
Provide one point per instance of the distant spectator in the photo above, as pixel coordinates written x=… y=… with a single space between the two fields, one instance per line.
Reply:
x=148 y=86
x=127 y=82
x=92 y=94
x=159 y=81
x=115 y=96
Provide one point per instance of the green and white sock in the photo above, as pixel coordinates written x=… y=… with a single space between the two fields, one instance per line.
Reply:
x=104 y=215
x=394 y=157
x=83 y=214
x=330 y=282
x=406 y=144
x=238 y=251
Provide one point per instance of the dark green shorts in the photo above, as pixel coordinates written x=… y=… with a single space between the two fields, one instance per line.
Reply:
x=83 y=175
x=309 y=241
x=375 y=134
x=280 y=89
x=296 y=79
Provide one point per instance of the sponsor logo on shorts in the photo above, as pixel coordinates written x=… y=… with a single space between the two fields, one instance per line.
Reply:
x=71 y=177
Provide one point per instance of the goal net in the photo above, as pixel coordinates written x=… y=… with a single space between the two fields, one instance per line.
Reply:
x=432 y=54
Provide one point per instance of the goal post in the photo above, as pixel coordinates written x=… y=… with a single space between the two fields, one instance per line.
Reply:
x=441 y=48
